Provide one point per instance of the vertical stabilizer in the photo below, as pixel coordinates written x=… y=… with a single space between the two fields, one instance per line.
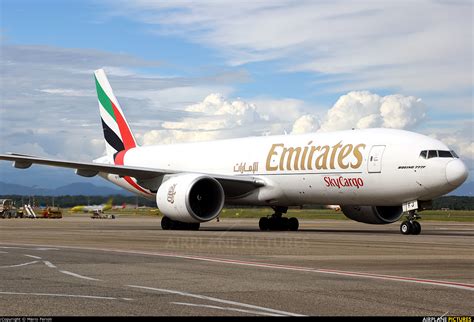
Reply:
x=117 y=133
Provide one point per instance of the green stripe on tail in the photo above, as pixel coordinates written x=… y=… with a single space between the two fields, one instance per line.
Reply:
x=104 y=99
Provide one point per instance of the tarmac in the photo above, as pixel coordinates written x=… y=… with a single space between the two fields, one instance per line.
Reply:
x=129 y=266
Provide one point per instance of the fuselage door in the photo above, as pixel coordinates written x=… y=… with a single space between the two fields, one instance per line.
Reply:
x=374 y=164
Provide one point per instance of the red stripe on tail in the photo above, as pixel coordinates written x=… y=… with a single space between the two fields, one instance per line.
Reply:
x=125 y=133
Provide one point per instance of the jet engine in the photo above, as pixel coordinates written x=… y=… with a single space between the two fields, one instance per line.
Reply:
x=190 y=198
x=377 y=215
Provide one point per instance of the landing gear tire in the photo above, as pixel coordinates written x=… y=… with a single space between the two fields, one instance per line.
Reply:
x=406 y=228
x=263 y=224
x=293 y=224
x=411 y=226
x=278 y=222
x=416 y=228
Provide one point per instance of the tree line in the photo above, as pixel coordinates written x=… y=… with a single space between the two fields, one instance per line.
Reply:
x=446 y=202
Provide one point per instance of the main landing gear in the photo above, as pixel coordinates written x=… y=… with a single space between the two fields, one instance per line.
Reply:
x=170 y=224
x=411 y=226
x=278 y=222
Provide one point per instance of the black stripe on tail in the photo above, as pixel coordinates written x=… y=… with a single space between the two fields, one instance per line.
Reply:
x=112 y=139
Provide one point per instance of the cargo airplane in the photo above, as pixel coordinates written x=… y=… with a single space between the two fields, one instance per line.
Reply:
x=375 y=175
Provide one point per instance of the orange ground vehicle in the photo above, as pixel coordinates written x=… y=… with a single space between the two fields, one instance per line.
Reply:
x=52 y=212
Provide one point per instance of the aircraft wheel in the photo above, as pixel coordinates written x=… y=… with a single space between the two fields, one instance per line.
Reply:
x=284 y=223
x=416 y=228
x=293 y=224
x=263 y=223
x=272 y=223
x=166 y=223
x=406 y=228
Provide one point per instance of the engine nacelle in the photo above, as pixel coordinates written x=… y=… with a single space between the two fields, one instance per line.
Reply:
x=190 y=197
x=377 y=215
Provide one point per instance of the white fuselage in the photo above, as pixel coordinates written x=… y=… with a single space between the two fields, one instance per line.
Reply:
x=358 y=167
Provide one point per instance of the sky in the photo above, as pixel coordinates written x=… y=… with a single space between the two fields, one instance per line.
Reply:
x=188 y=71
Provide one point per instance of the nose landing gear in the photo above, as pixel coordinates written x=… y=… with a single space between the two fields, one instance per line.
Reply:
x=411 y=226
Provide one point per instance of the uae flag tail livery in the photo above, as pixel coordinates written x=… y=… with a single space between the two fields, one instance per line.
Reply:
x=117 y=133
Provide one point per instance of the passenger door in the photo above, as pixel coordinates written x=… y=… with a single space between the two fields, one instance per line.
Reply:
x=374 y=164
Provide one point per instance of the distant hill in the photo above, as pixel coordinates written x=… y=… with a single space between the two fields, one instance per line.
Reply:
x=73 y=189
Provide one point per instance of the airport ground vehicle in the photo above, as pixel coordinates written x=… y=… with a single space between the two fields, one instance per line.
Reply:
x=52 y=212
x=7 y=209
x=100 y=215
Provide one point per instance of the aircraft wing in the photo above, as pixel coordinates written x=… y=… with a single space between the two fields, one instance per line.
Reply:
x=232 y=185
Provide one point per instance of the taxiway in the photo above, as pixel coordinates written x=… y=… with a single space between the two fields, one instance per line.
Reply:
x=129 y=266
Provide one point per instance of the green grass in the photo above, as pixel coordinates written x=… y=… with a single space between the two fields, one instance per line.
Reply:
x=448 y=215
x=299 y=213
x=438 y=215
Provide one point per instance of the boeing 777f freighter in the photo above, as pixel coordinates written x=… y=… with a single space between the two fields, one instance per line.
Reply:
x=375 y=175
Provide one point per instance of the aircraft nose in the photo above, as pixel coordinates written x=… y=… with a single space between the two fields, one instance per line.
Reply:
x=456 y=172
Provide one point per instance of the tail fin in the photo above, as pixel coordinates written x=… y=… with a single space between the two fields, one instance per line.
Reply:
x=117 y=134
x=108 y=205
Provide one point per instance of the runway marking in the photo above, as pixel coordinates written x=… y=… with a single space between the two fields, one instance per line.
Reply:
x=40 y=248
x=80 y=276
x=19 y=265
x=214 y=299
x=226 y=308
x=2 y=252
x=49 y=264
x=67 y=295
x=463 y=286
x=35 y=257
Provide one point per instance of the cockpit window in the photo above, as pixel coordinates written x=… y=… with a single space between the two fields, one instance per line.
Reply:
x=445 y=154
x=429 y=154
x=432 y=154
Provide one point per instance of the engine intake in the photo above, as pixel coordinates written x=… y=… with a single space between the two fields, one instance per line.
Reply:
x=190 y=197
x=377 y=215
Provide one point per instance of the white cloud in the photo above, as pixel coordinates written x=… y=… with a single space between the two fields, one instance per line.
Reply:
x=67 y=92
x=349 y=109
x=54 y=88
x=283 y=109
x=305 y=124
x=216 y=113
x=403 y=45
x=217 y=118
x=175 y=136
x=401 y=112
x=363 y=109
